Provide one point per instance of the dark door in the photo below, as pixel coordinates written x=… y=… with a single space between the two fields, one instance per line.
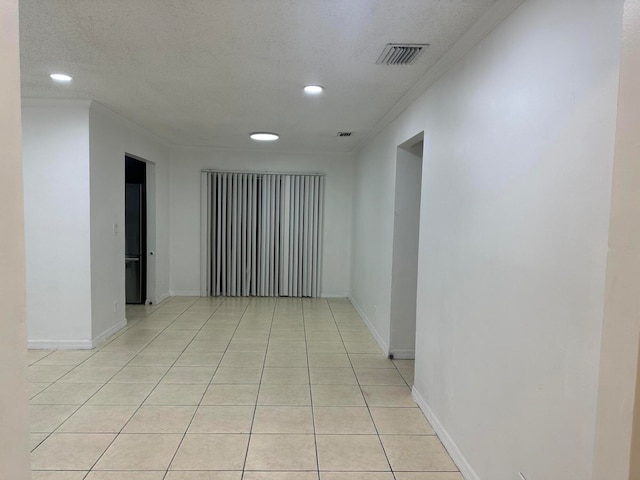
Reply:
x=135 y=231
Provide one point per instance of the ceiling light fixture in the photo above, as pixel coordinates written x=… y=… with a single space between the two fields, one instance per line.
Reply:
x=61 y=77
x=313 y=89
x=264 y=136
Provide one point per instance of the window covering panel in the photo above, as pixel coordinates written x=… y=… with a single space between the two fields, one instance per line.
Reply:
x=261 y=234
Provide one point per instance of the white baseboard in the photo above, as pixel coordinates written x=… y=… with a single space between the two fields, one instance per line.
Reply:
x=100 y=339
x=192 y=293
x=374 y=332
x=334 y=295
x=59 y=344
x=160 y=299
x=456 y=455
x=403 y=354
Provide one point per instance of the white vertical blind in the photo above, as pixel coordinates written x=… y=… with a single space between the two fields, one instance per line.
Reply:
x=261 y=234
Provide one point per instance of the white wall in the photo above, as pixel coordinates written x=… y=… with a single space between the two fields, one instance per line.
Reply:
x=111 y=138
x=372 y=230
x=186 y=164
x=57 y=229
x=518 y=141
x=618 y=426
x=74 y=193
x=404 y=273
x=14 y=424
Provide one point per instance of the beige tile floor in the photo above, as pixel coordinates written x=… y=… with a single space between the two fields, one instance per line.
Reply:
x=232 y=389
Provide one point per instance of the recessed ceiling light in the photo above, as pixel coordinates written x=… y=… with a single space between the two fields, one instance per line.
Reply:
x=313 y=89
x=61 y=77
x=264 y=136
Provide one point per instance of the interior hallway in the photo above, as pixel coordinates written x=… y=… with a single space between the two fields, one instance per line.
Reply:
x=230 y=389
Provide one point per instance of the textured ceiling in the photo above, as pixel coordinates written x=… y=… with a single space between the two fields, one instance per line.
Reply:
x=209 y=72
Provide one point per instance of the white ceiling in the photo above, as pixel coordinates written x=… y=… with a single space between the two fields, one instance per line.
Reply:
x=209 y=72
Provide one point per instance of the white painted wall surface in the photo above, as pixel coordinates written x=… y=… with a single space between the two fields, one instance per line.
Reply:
x=618 y=426
x=519 y=140
x=74 y=193
x=186 y=164
x=372 y=230
x=404 y=273
x=14 y=423
x=111 y=138
x=57 y=225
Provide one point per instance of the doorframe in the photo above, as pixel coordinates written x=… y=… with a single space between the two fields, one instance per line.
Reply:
x=398 y=318
x=150 y=228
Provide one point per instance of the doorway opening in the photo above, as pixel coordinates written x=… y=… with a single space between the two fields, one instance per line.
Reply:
x=135 y=231
x=406 y=235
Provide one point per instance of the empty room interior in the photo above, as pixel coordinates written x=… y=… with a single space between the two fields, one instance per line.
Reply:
x=320 y=240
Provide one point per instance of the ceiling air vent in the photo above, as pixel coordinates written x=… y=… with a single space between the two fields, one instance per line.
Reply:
x=401 y=53
x=345 y=134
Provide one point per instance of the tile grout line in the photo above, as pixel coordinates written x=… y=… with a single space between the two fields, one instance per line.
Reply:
x=85 y=402
x=313 y=417
x=255 y=407
x=210 y=380
x=151 y=391
x=119 y=370
x=313 y=315
x=363 y=396
x=99 y=349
